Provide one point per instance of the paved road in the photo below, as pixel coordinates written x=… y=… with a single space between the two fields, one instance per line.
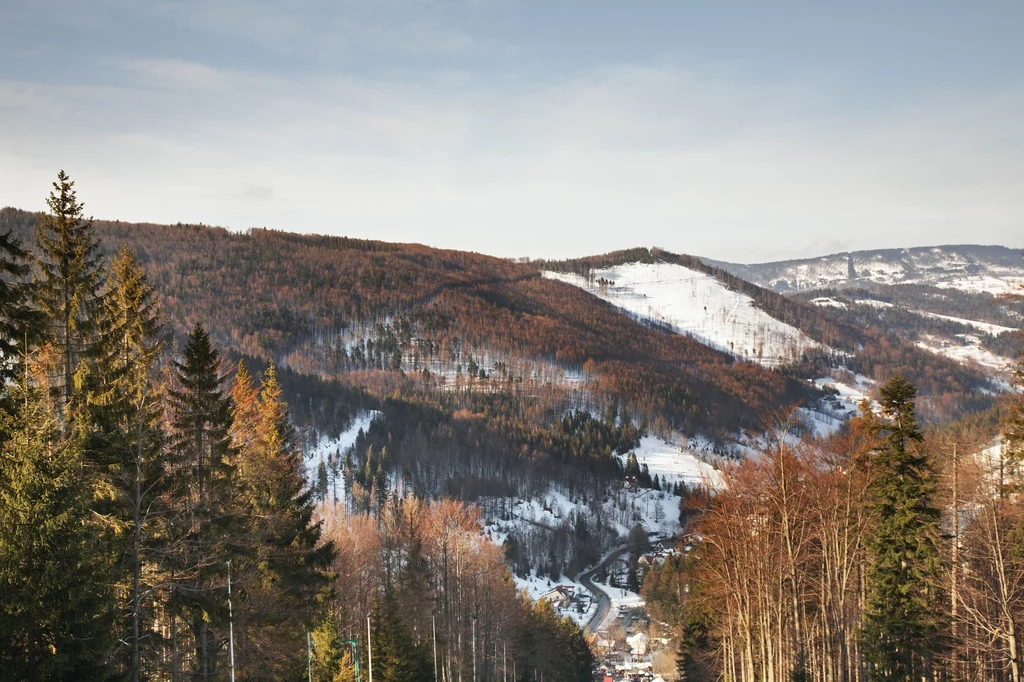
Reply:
x=603 y=600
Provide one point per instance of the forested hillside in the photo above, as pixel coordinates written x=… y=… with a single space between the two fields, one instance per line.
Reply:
x=155 y=376
x=327 y=305
x=156 y=521
x=877 y=344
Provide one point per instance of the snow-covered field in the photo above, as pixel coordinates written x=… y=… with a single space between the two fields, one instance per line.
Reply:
x=967 y=348
x=984 y=284
x=675 y=464
x=873 y=303
x=993 y=269
x=696 y=304
x=828 y=302
x=987 y=327
x=967 y=352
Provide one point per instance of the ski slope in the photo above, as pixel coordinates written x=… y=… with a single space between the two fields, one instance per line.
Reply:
x=698 y=305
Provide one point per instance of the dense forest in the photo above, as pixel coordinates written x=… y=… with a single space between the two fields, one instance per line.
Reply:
x=155 y=518
x=314 y=304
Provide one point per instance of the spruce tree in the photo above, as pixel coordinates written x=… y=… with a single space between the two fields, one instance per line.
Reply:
x=68 y=287
x=284 y=566
x=127 y=409
x=903 y=610
x=17 y=318
x=396 y=657
x=55 y=597
x=201 y=523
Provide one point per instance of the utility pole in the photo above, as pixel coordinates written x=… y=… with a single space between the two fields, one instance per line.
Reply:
x=433 y=635
x=369 y=647
x=954 y=582
x=231 y=627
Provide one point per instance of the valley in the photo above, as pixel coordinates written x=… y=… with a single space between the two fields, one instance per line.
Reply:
x=572 y=419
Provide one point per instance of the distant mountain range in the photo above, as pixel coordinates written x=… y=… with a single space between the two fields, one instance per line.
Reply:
x=993 y=269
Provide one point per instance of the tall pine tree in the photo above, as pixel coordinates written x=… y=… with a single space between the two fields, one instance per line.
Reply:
x=200 y=520
x=16 y=315
x=127 y=409
x=284 y=567
x=903 y=613
x=68 y=289
x=55 y=597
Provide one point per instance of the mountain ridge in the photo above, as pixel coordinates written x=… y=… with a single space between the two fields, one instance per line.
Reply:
x=972 y=267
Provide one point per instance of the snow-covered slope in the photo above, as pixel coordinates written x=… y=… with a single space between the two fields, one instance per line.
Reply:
x=675 y=464
x=696 y=304
x=993 y=269
x=329 y=448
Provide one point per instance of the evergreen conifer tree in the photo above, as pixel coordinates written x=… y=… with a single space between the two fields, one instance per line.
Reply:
x=200 y=526
x=56 y=605
x=396 y=657
x=284 y=566
x=68 y=289
x=903 y=611
x=126 y=408
x=16 y=315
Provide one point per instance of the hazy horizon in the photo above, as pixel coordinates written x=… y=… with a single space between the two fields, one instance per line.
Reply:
x=735 y=131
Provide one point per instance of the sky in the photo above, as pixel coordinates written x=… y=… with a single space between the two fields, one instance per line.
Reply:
x=741 y=131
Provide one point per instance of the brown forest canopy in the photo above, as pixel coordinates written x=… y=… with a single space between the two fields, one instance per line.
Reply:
x=268 y=294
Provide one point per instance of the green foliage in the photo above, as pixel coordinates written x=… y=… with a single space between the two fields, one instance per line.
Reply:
x=903 y=618
x=68 y=288
x=55 y=598
x=556 y=646
x=332 y=656
x=18 y=321
x=281 y=561
x=200 y=518
x=127 y=440
x=397 y=657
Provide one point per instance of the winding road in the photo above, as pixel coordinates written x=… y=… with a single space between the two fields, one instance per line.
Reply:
x=603 y=600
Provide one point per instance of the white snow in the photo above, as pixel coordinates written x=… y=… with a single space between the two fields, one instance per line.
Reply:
x=828 y=302
x=580 y=610
x=340 y=445
x=970 y=269
x=696 y=304
x=987 y=327
x=874 y=303
x=984 y=284
x=620 y=598
x=968 y=351
x=672 y=463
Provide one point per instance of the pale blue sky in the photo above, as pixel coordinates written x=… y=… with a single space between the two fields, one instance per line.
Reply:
x=742 y=131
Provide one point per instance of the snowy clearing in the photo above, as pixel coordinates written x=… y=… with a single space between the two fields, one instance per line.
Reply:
x=698 y=305
x=987 y=327
x=968 y=351
x=828 y=302
x=338 y=447
x=672 y=464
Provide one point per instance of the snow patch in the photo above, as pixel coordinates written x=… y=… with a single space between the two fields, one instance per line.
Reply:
x=675 y=464
x=698 y=305
x=338 y=447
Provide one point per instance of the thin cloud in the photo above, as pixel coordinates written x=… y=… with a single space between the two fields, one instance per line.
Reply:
x=693 y=157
